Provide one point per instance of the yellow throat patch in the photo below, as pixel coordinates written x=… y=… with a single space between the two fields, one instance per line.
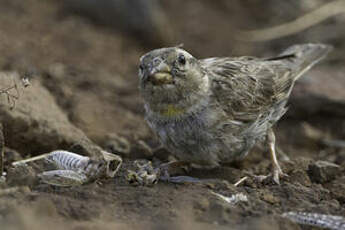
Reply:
x=171 y=111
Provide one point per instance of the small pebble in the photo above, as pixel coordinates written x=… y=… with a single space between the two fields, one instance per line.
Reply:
x=322 y=171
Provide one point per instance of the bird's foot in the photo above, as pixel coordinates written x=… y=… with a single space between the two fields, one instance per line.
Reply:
x=274 y=177
x=277 y=172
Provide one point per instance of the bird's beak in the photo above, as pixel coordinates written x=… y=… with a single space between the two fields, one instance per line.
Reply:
x=160 y=74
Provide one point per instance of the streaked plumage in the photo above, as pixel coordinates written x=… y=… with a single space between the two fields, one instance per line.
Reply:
x=214 y=110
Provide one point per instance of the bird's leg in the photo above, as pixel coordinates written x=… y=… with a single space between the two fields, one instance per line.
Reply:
x=276 y=169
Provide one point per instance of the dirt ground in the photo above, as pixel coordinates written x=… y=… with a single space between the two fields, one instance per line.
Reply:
x=84 y=94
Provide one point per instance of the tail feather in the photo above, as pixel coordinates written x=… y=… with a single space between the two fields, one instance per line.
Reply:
x=303 y=57
x=292 y=64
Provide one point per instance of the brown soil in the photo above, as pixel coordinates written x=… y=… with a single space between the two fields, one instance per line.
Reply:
x=90 y=72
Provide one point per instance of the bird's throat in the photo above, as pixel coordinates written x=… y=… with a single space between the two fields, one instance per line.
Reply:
x=171 y=110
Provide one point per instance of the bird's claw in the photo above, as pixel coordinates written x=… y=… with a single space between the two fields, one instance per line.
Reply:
x=277 y=174
x=271 y=177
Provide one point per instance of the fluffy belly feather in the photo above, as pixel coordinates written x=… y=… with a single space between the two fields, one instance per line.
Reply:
x=193 y=141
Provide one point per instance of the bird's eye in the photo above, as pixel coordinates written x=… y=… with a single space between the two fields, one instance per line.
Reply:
x=182 y=59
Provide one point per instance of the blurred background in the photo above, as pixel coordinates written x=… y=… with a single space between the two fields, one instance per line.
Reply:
x=86 y=52
x=82 y=58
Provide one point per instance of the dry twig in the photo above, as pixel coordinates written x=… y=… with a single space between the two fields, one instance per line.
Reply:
x=11 y=98
x=304 y=22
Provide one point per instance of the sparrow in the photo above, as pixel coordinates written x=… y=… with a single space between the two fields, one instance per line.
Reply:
x=214 y=110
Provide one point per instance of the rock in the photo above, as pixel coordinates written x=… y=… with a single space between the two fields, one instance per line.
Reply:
x=21 y=175
x=269 y=197
x=11 y=155
x=337 y=188
x=202 y=204
x=142 y=148
x=323 y=171
x=36 y=124
x=318 y=92
x=117 y=144
x=300 y=176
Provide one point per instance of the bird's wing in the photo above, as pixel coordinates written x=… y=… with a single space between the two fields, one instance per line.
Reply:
x=247 y=87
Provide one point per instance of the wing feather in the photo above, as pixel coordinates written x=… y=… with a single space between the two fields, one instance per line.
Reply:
x=246 y=87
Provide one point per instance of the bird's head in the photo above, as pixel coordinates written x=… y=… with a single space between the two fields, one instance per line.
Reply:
x=171 y=79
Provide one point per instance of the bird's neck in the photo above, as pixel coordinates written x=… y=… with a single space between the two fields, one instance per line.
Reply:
x=171 y=110
x=176 y=111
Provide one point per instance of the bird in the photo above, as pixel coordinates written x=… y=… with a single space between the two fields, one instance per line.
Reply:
x=214 y=110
